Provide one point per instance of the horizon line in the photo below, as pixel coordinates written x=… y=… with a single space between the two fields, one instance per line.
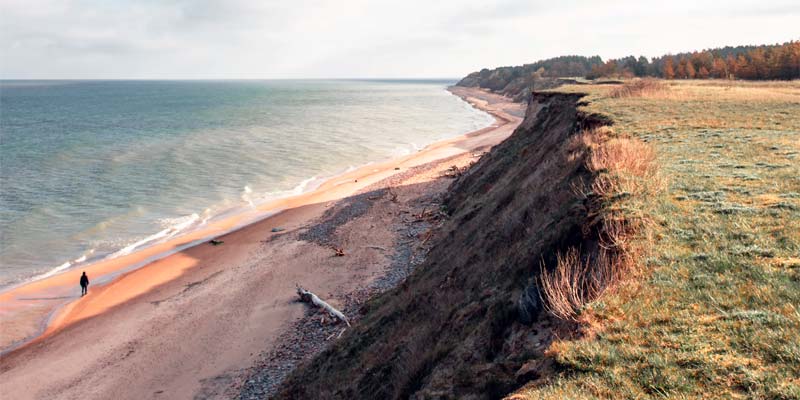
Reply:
x=234 y=79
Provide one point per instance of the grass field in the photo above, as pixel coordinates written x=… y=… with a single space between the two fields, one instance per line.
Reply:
x=715 y=311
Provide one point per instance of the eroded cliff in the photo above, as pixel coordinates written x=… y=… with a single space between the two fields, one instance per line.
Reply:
x=467 y=322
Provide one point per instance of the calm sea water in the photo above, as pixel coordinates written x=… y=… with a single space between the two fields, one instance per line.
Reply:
x=96 y=169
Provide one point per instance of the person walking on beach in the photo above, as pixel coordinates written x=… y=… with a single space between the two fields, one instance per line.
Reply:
x=84 y=284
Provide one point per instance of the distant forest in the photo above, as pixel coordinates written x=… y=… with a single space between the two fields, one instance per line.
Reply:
x=779 y=62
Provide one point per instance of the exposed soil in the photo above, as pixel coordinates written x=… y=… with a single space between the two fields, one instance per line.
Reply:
x=466 y=323
x=412 y=210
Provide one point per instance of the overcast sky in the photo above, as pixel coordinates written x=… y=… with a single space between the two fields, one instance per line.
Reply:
x=359 y=38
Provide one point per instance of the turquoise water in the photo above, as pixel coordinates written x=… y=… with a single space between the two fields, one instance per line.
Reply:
x=97 y=169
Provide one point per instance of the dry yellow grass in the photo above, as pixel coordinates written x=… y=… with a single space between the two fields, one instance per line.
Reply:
x=640 y=88
x=626 y=178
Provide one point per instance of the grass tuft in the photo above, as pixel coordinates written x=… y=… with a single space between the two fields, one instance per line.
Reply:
x=639 y=88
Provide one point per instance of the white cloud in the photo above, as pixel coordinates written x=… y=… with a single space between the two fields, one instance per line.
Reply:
x=316 y=38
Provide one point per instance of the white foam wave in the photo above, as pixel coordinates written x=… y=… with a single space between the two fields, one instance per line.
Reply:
x=175 y=226
x=303 y=185
x=181 y=224
x=206 y=216
x=401 y=151
x=63 y=266
x=83 y=257
x=58 y=269
x=404 y=150
x=52 y=271
x=246 y=196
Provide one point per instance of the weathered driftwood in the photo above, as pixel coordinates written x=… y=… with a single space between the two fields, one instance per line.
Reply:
x=454 y=172
x=309 y=297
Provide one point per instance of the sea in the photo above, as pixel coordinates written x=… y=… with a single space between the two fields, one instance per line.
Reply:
x=91 y=170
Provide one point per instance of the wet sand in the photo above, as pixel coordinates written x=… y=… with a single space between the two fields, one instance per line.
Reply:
x=193 y=322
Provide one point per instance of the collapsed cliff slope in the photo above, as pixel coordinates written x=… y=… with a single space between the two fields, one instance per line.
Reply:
x=517 y=88
x=460 y=325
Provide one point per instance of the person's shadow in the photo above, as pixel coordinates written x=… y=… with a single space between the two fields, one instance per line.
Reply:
x=44 y=298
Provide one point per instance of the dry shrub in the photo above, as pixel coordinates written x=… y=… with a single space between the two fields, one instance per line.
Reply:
x=578 y=279
x=626 y=170
x=626 y=179
x=639 y=88
x=622 y=155
x=575 y=281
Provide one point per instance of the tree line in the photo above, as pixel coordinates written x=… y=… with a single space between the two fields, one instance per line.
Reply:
x=498 y=78
x=765 y=62
x=779 y=62
x=516 y=82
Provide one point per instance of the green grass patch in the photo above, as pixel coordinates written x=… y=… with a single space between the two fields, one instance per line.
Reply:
x=717 y=311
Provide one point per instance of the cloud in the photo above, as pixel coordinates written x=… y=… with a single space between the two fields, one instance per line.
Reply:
x=357 y=38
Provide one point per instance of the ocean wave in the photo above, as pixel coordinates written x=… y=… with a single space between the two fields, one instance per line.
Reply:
x=246 y=196
x=63 y=266
x=179 y=225
x=207 y=215
x=83 y=257
x=174 y=227
x=303 y=186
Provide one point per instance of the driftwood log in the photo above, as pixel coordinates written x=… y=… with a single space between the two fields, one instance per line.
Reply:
x=308 y=297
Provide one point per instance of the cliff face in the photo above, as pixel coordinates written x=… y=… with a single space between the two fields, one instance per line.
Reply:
x=509 y=81
x=517 y=82
x=459 y=326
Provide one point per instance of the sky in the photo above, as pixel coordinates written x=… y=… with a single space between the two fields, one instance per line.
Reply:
x=237 y=39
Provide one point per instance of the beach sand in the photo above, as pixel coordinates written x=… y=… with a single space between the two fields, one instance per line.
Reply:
x=193 y=323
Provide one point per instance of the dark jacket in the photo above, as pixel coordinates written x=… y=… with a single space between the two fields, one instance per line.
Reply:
x=84 y=280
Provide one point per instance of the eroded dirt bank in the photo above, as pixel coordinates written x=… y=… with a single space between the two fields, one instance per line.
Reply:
x=466 y=323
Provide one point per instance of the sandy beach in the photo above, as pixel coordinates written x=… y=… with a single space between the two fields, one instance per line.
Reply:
x=191 y=324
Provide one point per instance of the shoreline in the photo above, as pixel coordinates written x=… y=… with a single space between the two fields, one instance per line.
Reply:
x=49 y=301
x=196 y=321
x=84 y=240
